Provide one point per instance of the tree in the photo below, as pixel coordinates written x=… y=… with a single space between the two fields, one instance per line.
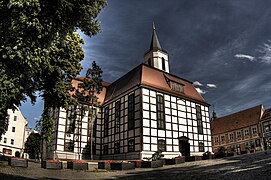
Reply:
x=40 y=51
x=87 y=94
x=32 y=145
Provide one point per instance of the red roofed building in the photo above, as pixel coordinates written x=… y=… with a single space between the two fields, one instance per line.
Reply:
x=144 y=111
x=266 y=128
x=238 y=132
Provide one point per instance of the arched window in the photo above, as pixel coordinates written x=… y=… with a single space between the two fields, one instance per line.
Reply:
x=149 y=61
x=163 y=64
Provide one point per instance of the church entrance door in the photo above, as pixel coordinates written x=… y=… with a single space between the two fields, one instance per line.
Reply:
x=184 y=146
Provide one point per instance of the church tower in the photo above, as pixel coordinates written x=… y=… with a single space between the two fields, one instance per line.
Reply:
x=156 y=56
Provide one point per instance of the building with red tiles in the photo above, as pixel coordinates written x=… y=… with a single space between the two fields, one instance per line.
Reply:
x=266 y=128
x=146 y=110
x=239 y=132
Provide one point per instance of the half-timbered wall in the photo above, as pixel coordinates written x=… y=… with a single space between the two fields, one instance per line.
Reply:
x=71 y=138
x=119 y=132
x=180 y=120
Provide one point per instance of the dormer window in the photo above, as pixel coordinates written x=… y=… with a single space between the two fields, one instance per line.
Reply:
x=176 y=86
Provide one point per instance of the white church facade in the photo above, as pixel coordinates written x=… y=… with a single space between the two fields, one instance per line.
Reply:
x=146 y=110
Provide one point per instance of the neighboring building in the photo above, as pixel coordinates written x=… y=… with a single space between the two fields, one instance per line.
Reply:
x=146 y=110
x=28 y=131
x=238 y=132
x=266 y=129
x=71 y=137
x=13 y=139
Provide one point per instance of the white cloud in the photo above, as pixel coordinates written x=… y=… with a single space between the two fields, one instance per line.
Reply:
x=201 y=91
x=265 y=50
x=211 y=85
x=244 y=56
x=197 y=83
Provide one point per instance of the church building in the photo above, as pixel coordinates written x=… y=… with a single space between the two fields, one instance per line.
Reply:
x=146 y=110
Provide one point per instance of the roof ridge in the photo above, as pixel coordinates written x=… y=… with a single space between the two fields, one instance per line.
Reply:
x=238 y=112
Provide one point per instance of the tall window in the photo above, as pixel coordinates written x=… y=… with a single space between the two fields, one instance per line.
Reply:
x=160 y=112
x=162 y=145
x=105 y=149
x=163 y=64
x=117 y=117
x=94 y=149
x=222 y=139
x=12 y=141
x=5 y=140
x=246 y=132
x=13 y=129
x=69 y=145
x=239 y=135
x=94 y=128
x=131 y=111
x=71 y=117
x=149 y=61
x=231 y=136
x=201 y=147
x=254 y=130
x=199 y=119
x=106 y=121
x=131 y=145
x=216 y=140
x=15 y=118
x=117 y=148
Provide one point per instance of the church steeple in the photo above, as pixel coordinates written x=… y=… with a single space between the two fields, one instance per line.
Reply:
x=155 y=44
x=156 y=56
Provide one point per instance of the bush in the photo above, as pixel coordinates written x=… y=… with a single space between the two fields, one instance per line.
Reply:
x=17 y=154
x=220 y=153
x=206 y=155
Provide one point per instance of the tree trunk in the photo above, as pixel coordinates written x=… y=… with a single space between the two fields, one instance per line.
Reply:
x=43 y=133
x=91 y=133
x=92 y=116
x=43 y=148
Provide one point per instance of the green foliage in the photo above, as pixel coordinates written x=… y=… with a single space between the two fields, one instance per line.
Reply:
x=17 y=154
x=91 y=85
x=46 y=126
x=87 y=94
x=32 y=145
x=40 y=51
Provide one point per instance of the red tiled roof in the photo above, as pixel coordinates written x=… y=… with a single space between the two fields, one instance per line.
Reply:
x=242 y=119
x=156 y=78
x=152 y=77
x=100 y=96
x=126 y=82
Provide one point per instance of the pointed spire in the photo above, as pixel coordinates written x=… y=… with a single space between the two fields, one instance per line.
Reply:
x=155 y=44
x=214 y=113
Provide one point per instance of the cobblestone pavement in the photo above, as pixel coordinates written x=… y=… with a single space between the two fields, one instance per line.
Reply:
x=250 y=166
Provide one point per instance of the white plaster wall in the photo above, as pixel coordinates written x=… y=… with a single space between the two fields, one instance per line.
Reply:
x=18 y=135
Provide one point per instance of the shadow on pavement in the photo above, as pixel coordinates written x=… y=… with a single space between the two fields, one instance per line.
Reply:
x=250 y=166
x=11 y=177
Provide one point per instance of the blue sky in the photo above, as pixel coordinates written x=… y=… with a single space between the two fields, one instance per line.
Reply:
x=222 y=46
